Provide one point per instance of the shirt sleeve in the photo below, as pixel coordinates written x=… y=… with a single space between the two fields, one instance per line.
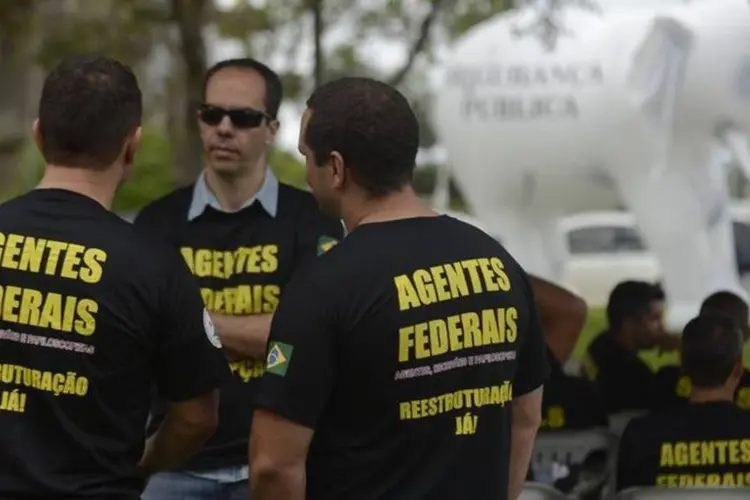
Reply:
x=153 y=221
x=533 y=364
x=301 y=358
x=317 y=234
x=190 y=361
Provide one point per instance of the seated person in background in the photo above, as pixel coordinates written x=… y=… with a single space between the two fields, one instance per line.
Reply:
x=634 y=316
x=703 y=443
x=676 y=385
x=569 y=402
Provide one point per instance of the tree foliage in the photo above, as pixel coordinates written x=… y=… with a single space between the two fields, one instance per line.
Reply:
x=167 y=42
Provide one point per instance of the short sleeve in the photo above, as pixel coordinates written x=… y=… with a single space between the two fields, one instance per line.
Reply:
x=301 y=355
x=533 y=363
x=147 y=220
x=190 y=361
x=317 y=234
x=158 y=221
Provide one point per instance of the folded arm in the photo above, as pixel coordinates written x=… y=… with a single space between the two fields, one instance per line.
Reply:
x=243 y=337
x=563 y=315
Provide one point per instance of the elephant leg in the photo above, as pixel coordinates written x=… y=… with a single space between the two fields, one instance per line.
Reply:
x=530 y=236
x=675 y=224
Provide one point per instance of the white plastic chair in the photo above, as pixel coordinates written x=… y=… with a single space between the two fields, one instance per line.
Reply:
x=565 y=448
x=694 y=493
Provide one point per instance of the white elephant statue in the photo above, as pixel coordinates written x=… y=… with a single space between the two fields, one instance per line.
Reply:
x=546 y=112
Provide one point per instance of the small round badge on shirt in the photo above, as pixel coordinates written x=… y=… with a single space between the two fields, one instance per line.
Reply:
x=208 y=325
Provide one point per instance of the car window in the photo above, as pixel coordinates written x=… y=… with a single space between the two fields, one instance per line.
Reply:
x=604 y=239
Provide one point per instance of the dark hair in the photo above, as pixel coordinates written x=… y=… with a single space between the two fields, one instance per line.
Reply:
x=372 y=127
x=631 y=299
x=89 y=105
x=711 y=348
x=274 y=89
x=728 y=304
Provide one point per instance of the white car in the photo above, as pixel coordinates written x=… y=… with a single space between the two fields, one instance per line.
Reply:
x=606 y=247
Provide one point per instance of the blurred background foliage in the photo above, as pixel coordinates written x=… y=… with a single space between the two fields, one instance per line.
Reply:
x=170 y=43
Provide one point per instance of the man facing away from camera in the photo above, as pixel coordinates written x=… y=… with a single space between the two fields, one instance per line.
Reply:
x=705 y=442
x=409 y=361
x=92 y=313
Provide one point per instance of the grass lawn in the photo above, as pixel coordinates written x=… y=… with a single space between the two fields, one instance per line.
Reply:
x=596 y=322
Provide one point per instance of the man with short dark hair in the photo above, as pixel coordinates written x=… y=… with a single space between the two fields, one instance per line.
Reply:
x=676 y=385
x=634 y=316
x=243 y=234
x=93 y=313
x=704 y=443
x=399 y=364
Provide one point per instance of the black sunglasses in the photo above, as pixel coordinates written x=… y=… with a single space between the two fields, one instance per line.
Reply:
x=240 y=117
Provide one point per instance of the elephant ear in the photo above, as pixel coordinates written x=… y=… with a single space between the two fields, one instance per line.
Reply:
x=655 y=79
x=658 y=69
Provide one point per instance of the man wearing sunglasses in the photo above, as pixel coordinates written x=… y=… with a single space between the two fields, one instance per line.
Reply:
x=243 y=234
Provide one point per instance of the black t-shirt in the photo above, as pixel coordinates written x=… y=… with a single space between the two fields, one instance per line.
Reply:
x=242 y=261
x=92 y=314
x=706 y=444
x=625 y=382
x=569 y=402
x=403 y=348
x=676 y=387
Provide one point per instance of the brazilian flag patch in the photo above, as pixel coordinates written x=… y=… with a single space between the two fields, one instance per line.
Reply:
x=325 y=243
x=278 y=358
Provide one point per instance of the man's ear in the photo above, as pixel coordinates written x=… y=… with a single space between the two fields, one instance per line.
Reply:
x=131 y=147
x=273 y=129
x=36 y=131
x=338 y=170
x=128 y=154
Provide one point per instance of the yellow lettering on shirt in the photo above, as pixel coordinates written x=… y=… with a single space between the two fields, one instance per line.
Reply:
x=457 y=401
x=49 y=310
x=248 y=370
x=703 y=479
x=705 y=453
x=55 y=383
x=242 y=300
x=451 y=281
x=457 y=332
x=554 y=418
x=53 y=258
x=220 y=264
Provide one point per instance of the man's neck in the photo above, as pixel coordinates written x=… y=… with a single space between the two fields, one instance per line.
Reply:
x=99 y=185
x=712 y=395
x=624 y=340
x=232 y=192
x=402 y=204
